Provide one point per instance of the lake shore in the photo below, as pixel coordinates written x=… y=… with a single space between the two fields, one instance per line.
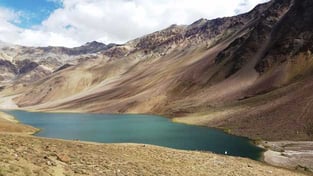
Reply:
x=8 y=124
x=22 y=153
x=296 y=155
x=289 y=154
x=8 y=117
x=271 y=156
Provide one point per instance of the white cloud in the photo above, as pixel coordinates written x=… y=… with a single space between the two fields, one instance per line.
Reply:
x=9 y=15
x=80 y=21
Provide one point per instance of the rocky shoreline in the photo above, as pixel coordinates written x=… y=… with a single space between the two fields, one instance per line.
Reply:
x=289 y=154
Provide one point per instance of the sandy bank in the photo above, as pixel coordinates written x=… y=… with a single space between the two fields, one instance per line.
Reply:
x=7 y=117
x=290 y=154
x=8 y=124
x=297 y=155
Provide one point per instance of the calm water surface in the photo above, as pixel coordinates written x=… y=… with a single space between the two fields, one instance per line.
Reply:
x=145 y=129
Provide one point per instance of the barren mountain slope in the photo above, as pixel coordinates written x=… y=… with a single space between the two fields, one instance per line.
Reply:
x=278 y=104
x=19 y=64
x=251 y=74
x=138 y=67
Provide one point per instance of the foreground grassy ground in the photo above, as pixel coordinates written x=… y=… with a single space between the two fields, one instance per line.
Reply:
x=21 y=154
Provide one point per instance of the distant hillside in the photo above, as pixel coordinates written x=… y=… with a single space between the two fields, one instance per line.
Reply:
x=28 y=64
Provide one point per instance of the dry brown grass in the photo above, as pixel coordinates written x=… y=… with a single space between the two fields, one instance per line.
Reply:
x=22 y=155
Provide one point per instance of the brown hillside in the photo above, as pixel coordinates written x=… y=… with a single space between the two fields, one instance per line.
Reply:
x=251 y=74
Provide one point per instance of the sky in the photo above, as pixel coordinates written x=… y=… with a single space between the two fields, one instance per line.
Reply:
x=72 y=23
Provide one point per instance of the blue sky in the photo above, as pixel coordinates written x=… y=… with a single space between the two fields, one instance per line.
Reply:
x=74 y=22
x=32 y=12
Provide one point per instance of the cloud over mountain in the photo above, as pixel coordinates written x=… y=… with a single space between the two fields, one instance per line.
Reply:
x=80 y=21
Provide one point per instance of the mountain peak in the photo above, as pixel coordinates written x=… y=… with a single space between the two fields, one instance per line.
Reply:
x=94 y=43
x=199 y=22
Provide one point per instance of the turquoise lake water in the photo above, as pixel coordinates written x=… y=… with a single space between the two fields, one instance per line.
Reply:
x=145 y=129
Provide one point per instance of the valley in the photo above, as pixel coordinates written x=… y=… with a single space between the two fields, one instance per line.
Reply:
x=189 y=73
x=249 y=75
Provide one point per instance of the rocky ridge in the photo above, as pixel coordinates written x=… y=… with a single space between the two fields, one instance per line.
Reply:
x=19 y=64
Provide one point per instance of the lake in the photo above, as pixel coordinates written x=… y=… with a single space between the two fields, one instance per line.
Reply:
x=146 y=129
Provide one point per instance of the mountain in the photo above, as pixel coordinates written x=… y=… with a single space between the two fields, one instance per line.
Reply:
x=27 y=64
x=250 y=74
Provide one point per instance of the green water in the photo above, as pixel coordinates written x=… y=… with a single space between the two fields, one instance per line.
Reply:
x=145 y=129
